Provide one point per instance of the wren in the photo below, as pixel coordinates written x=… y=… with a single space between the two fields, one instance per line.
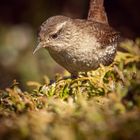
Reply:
x=78 y=45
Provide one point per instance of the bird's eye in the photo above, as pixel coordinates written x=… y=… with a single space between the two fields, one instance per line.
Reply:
x=54 y=36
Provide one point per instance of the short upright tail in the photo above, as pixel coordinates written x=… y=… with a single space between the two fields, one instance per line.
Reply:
x=97 y=11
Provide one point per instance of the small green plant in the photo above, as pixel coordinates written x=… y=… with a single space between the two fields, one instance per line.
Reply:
x=103 y=105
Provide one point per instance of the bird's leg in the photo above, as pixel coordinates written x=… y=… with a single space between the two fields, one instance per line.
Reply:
x=74 y=75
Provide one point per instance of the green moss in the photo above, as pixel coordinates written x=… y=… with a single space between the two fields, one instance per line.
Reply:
x=103 y=105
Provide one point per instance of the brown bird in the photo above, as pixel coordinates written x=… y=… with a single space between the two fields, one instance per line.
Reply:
x=78 y=45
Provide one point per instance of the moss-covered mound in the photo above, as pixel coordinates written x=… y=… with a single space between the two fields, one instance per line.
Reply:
x=104 y=104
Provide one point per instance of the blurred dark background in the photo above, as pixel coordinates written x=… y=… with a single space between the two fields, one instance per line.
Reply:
x=20 y=20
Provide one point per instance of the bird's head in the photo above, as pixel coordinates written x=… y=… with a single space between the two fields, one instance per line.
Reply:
x=52 y=33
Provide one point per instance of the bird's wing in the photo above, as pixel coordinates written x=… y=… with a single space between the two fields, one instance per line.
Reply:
x=105 y=34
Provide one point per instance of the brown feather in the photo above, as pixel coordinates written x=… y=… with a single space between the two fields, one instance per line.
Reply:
x=97 y=11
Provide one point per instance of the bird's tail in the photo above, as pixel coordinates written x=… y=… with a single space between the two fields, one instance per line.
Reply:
x=97 y=11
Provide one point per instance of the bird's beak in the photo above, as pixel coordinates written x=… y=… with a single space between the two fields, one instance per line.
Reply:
x=39 y=46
